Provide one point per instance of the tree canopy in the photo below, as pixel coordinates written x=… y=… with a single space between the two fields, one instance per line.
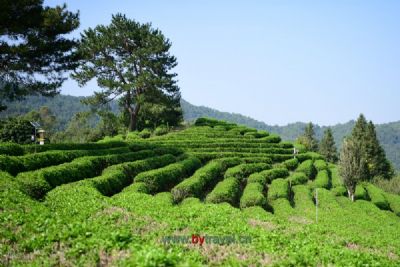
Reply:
x=327 y=147
x=130 y=61
x=308 y=138
x=34 y=52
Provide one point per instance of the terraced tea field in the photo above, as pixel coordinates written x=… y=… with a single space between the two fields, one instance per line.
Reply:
x=212 y=194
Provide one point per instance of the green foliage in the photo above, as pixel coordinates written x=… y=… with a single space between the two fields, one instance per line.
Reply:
x=322 y=180
x=291 y=164
x=327 y=147
x=161 y=130
x=320 y=165
x=11 y=149
x=377 y=197
x=307 y=167
x=279 y=188
x=394 y=202
x=335 y=177
x=241 y=171
x=360 y=192
x=253 y=196
x=392 y=185
x=267 y=176
x=297 y=178
x=145 y=133
x=308 y=138
x=340 y=190
x=149 y=89
x=17 y=130
x=225 y=191
x=34 y=51
x=166 y=177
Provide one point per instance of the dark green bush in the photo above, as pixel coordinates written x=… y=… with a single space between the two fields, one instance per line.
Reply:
x=145 y=133
x=225 y=191
x=298 y=178
x=267 y=176
x=360 y=193
x=377 y=197
x=161 y=130
x=320 y=165
x=339 y=190
x=291 y=164
x=11 y=149
x=253 y=196
x=243 y=170
x=322 y=180
x=163 y=178
x=279 y=188
x=308 y=168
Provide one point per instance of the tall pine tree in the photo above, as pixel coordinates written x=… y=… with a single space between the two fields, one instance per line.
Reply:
x=327 y=147
x=308 y=138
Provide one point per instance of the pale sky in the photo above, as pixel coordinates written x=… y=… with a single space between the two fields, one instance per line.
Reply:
x=276 y=61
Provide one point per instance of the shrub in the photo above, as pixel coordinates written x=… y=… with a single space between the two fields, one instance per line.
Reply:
x=308 y=168
x=267 y=176
x=11 y=149
x=394 y=202
x=298 y=178
x=360 y=193
x=145 y=133
x=320 y=165
x=253 y=196
x=38 y=183
x=203 y=177
x=225 y=191
x=164 y=178
x=302 y=198
x=273 y=138
x=138 y=187
x=281 y=207
x=339 y=190
x=243 y=170
x=377 y=197
x=279 y=188
x=11 y=164
x=291 y=164
x=161 y=130
x=322 y=180
x=74 y=146
x=114 y=178
x=335 y=177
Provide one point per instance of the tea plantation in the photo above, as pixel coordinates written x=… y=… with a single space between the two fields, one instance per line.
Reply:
x=142 y=202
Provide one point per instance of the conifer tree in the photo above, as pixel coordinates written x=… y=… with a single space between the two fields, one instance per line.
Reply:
x=308 y=138
x=327 y=147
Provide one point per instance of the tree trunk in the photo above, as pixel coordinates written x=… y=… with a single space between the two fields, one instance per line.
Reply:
x=133 y=118
x=351 y=194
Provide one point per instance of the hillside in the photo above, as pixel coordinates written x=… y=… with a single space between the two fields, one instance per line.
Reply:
x=66 y=106
x=212 y=194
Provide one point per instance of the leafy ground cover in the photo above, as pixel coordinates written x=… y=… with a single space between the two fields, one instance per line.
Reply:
x=212 y=194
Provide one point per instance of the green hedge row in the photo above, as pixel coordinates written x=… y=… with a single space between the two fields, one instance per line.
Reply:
x=202 y=178
x=308 y=168
x=303 y=199
x=37 y=183
x=164 y=178
x=279 y=188
x=225 y=191
x=291 y=164
x=377 y=197
x=253 y=196
x=11 y=149
x=198 y=142
x=320 y=165
x=360 y=193
x=298 y=178
x=207 y=156
x=335 y=177
x=394 y=202
x=241 y=171
x=30 y=162
x=339 y=190
x=73 y=146
x=258 y=134
x=114 y=178
x=244 y=149
x=267 y=176
x=322 y=180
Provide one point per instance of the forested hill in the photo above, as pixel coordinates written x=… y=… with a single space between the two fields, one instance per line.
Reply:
x=64 y=107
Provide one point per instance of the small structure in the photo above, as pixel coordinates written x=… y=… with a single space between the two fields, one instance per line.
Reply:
x=38 y=130
x=41 y=136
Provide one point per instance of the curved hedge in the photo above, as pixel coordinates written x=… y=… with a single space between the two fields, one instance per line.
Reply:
x=297 y=178
x=114 y=178
x=253 y=196
x=377 y=197
x=279 y=188
x=291 y=164
x=335 y=177
x=73 y=146
x=360 y=193
x=243 y=170
x=308 y=168
x=322 y=180
x=203 y=177
x=394 y=202
x=320 y=165
x=37 y=183
x=165 y=177
x=225 y=191
x=11 y=149
x=267 y=176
